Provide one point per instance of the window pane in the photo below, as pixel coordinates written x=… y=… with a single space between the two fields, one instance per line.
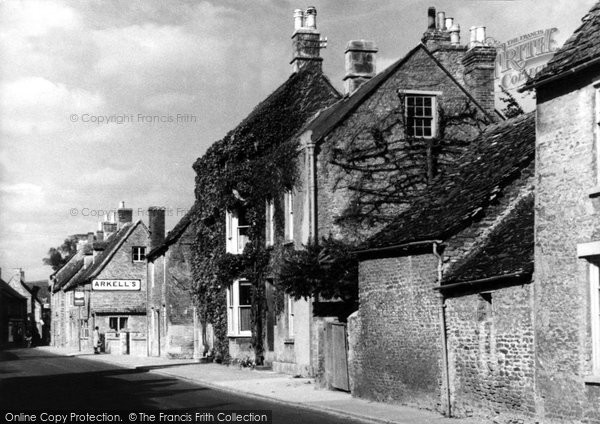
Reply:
x=122 y=323
x=113 y=324
x=245 y=294
x=245 y=317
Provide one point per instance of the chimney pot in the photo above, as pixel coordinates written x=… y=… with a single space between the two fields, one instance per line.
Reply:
x=455 y=34
x=431 y=19
x=298 y=19
x=441 y=21
x=19 y=274
x=481 y=35
x=448 y=23
x=310 y=18
x=122 y=204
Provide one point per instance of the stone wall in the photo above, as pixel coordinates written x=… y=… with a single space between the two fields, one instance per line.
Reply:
x=383 y=109
x=491 y=353
x=565 y=216
x=398 y=354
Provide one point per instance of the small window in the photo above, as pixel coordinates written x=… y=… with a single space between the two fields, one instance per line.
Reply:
x=288 y=200
x=117 y=324
x=84 y=329
x=237 y=230
x=290 y=317
x=139 y=254
x=420 y=116
x=595 y=315
x=239 y=309
x=269 y=223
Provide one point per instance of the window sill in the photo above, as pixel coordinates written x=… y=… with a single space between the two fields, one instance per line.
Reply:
x=240 y=336
x=592 y=380
x=594 y=192
x=289 y=341
x=288 y=242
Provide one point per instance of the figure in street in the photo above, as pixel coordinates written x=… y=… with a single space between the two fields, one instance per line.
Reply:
x=96 y=340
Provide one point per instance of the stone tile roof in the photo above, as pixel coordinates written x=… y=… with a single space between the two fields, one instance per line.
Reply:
x=67 y=271
x=325 y=121
x=113 y=243
x=173 y=235
x=495 y=160
x=507 y=250
x=580 y=49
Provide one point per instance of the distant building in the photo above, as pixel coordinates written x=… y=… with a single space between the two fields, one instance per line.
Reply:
x=34 y=325
x=13 y=316
x=104 y=285
x=175 y=330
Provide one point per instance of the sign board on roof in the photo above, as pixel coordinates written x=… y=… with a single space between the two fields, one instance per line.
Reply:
x=111 y=285
x=78 y=298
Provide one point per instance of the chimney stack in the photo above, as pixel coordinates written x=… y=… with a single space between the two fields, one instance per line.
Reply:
x=100 y=232
x=360 y=64
x=156 y=224
x=479 y=64
x=124 y=215
x=306 y=41
x=436 y=34
x=19 y=274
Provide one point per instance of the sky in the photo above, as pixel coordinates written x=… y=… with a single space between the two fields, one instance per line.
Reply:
x=109 y=101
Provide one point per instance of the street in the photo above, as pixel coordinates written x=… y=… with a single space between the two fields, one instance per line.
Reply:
x=32 y=380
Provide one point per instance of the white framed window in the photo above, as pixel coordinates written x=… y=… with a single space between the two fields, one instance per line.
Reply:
x=269 y=223
x=288 y=202
x=597 y=128
x=138 y=253
x=239 y=309
x=237 y=231
x=290 y=314
x=595 y=315
x=421 y=120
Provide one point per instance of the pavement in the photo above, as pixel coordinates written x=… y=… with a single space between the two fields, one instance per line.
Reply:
x=262 y=384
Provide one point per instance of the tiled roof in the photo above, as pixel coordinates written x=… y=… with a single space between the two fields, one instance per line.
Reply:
x=580 y=49
x=67 y=271
x=113 y=243
x=173 y=235
x=507 y=250
x=325 y=121
x=495 y=159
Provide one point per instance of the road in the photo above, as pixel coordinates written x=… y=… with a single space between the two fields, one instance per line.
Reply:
x=32 y=380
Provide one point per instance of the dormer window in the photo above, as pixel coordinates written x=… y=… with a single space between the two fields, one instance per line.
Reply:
x=138 y=254
x=288 y=203
x=269 y=223
x=237 y=230
x=420 y=113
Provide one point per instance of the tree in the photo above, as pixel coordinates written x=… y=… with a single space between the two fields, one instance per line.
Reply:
x=513 y=108
x=58 y=256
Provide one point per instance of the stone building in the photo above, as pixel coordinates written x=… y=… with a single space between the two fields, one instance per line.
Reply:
x=375 y=151
x=273 y=122
x=482 y=298
x=174 y=330
x=104 y=285
x=444 y=320
x=34 y=325
x=567 y=208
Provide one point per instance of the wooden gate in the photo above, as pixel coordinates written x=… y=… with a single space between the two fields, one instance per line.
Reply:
x=336 y=358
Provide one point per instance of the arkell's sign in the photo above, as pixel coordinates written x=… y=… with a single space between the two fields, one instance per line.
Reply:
x=521 y=58
x=123 y=285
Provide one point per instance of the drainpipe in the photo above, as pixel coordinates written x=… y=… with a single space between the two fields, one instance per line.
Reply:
x=445 y=364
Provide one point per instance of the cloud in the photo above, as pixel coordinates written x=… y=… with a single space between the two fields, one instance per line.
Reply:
x=35 y=105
